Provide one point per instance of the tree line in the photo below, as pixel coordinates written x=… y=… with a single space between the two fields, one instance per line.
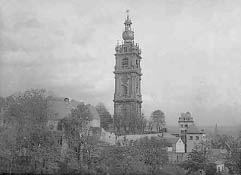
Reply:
x=27 y=145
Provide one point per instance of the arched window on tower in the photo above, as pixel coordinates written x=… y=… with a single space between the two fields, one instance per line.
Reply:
x=124 y=90
x=137 y=63
x=137 y=88
x=124 y=63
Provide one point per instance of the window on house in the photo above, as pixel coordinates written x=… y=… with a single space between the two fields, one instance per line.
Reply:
x=197 y=137
x=125 y=63
x=186 y=126
x=191 y=138
x=125 y=49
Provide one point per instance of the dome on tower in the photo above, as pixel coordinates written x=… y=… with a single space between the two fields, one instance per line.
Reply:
x=128 y=35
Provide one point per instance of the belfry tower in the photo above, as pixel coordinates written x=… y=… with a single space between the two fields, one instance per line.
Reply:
x=127 y=97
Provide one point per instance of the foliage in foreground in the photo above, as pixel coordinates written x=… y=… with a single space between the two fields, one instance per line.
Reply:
x=27 y=145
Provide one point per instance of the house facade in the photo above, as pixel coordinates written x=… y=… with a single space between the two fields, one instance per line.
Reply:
x=175 y=150
x=195 y=138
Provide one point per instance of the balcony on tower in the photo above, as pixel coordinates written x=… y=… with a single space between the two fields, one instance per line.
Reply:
x=129 y=48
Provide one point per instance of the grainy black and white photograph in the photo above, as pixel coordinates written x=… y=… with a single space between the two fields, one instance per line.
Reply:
x=120 y=87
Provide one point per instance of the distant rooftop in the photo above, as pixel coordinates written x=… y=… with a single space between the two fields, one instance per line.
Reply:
x=219 y=162
x=140 y=136
x=217 y=156
x=172 y=140
x=60 y=107
x=193 y=129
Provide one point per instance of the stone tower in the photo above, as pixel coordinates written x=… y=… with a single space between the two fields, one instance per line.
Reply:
x=185 y=121
x=127 y=97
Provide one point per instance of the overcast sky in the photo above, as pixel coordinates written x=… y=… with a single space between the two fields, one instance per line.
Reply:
x=191 y=52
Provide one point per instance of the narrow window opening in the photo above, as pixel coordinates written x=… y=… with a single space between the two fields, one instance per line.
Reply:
x=137 y=63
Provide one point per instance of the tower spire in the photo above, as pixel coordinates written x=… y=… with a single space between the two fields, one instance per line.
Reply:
x=127 y=96
x=128 y=34
x=127 y=13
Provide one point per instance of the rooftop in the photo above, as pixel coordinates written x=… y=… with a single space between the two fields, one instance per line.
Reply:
x=193 y=129
x=140 y=136
x=219 y=162
x=172 y=140
x=60 y=107
x=217 y=155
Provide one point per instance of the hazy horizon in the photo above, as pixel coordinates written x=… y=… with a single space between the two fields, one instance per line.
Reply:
x=191 y=53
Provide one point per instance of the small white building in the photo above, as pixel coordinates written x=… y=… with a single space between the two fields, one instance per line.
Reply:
x=175 y=150
x=218 y=157
x=175 y=145
x=219 y=166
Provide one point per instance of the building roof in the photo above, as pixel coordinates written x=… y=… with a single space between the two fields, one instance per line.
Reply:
x=193 y=129
x=140 y=136
x=217 y=155
x=60 y=107
x=172 y=140
x=219 y=162
x=94 y=112
x=218 y=151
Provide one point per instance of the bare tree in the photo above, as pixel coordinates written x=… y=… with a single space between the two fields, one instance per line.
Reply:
x=158 y=120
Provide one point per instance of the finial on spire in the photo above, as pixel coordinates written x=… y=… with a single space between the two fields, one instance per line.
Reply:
x=127 y=13
x=128 y=34
x=128 y=21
